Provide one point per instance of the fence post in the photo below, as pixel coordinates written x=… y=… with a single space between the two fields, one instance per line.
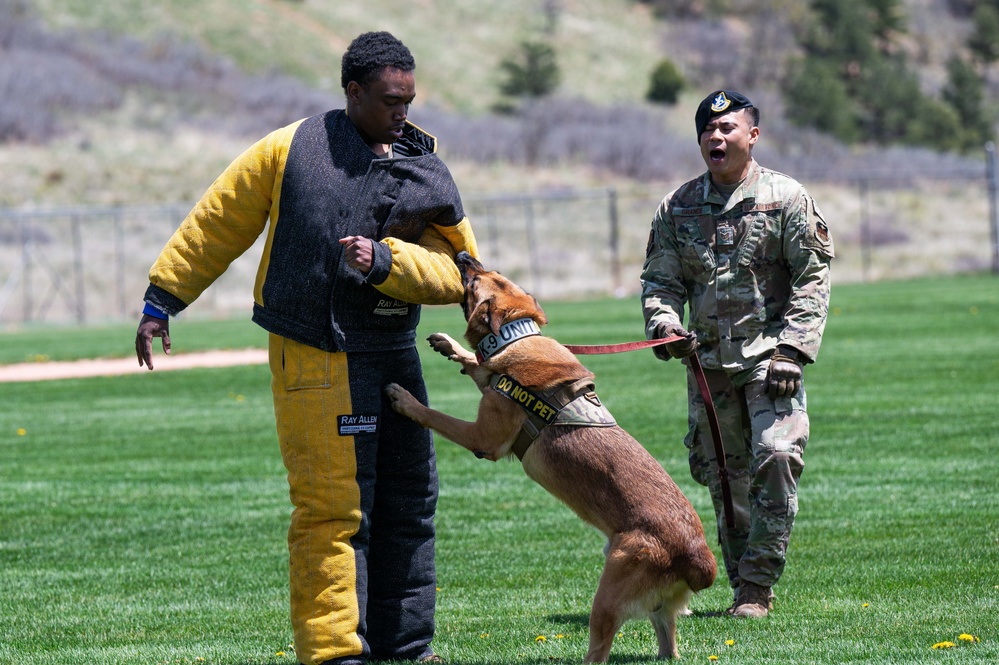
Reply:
x=117 y=222
x=992 y=175
x=865 y=232
x=532 y=247
x=26 y=250
x=615 y=257
x=80 y=305
x=492 y=241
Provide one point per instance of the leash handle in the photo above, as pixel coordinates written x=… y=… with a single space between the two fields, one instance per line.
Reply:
x=709 y=405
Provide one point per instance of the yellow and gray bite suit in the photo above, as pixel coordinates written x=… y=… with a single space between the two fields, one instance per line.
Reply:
x=362 y=478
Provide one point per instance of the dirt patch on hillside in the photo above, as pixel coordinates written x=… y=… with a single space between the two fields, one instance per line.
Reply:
x=44 y=371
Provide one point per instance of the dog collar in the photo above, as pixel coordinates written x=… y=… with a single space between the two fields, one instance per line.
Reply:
x=508 y=333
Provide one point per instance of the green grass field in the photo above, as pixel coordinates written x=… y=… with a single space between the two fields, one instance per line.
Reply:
x=143 y=518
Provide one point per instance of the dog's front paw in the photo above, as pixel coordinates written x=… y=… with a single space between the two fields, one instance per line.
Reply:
x=450 y=349
x=442 y=344
x=401 y=400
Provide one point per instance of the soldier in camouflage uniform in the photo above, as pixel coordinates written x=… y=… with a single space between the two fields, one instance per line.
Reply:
x=748 y=250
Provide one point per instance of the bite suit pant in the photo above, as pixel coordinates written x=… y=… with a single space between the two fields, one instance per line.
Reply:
x=363 y=483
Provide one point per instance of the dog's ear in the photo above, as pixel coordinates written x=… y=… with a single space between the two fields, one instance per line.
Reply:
x=539 y=314
x=532 y=311
x=495 y=316
x=482 y=317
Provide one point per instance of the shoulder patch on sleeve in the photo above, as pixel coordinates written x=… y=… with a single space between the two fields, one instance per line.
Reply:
x=818 y=236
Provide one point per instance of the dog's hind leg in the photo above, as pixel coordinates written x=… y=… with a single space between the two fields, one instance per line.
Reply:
x=622 y=584
x=663 y=618
x=606 y=618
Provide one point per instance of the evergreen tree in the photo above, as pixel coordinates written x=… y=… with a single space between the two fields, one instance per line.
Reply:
x=533 y=72
x=887 y=92
x=984 y=40
x=817 y=97
x=856 y=84
x=888 y=21
x=841 y=33
x=965 y=92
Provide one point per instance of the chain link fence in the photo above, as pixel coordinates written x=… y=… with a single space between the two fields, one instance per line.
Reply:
x=87 y=265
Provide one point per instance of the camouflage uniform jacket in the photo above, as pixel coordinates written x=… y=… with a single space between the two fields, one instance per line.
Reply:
x=754 y=269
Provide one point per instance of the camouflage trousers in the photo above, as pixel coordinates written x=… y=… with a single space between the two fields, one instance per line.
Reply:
x=764 y=441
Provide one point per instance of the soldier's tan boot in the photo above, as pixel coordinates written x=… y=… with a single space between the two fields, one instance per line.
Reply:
x=753 y=601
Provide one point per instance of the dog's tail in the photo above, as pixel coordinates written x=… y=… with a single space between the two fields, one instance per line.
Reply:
x=702 y=570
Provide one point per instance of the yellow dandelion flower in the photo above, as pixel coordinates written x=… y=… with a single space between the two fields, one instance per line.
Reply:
x=21 y=431
x=560 y=636
x=279 y=654
x=540 y=639
x=730 y=643
x=712 y=657
x=944 y=645
x=866 y=605
x=965 y=637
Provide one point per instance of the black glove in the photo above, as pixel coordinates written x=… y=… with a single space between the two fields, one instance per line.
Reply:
x=784 y=374
x=678 y=349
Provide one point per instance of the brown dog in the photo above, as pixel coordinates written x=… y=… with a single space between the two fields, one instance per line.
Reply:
x=656 y=552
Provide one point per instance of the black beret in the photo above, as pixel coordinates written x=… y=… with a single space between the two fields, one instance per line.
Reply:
x=718 y=103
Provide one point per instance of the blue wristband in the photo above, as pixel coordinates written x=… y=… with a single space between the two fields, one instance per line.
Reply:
x=155 y=312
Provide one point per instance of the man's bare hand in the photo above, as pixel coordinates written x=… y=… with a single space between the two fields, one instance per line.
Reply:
x=359 y=252
x=150 y=327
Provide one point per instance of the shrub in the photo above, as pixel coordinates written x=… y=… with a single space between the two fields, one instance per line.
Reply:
x=665 y=83
x=937 y=125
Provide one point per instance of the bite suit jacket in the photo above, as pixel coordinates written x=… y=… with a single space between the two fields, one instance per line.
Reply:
x=317 y=181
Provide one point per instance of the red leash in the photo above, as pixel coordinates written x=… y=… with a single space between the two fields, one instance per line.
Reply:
x=709 y=405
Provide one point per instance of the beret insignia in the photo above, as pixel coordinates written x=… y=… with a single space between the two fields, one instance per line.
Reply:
x=720 y=103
